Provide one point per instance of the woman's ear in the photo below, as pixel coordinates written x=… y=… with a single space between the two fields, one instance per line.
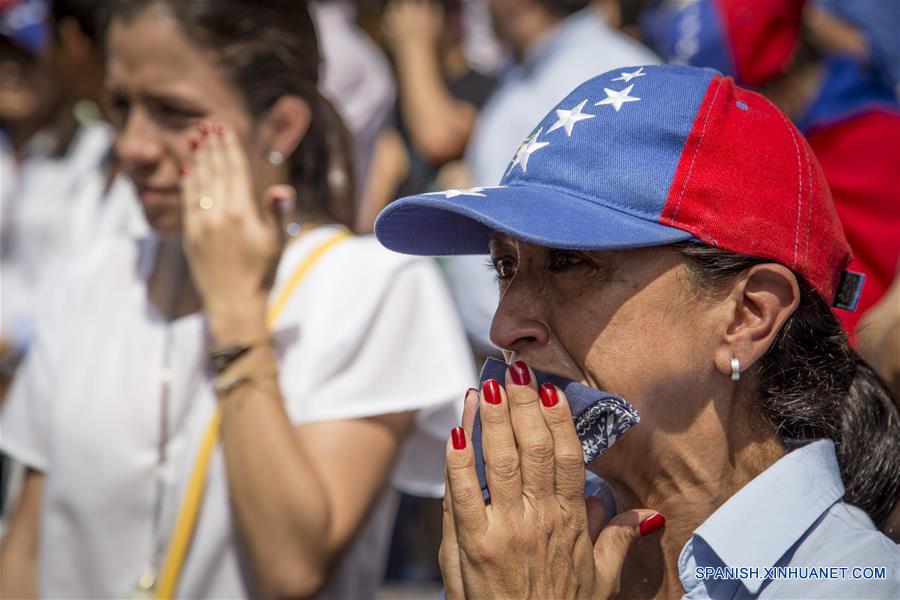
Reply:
x=285 y=125
x=764 y=297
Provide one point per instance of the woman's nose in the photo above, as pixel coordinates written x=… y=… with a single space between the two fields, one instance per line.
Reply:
x=138 y=142
x=517 y=324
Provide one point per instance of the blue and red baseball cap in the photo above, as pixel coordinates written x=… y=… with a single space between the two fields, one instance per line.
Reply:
x=647 y=156
x=25 y=22
x=751 y=40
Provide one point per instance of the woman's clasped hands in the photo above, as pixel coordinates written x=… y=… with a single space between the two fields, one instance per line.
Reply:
x=535 y=539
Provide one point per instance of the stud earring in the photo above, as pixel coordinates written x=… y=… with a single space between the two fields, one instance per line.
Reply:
x=275 y=157
x=735 y=369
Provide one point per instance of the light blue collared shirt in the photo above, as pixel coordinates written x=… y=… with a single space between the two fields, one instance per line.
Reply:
x=791 y=526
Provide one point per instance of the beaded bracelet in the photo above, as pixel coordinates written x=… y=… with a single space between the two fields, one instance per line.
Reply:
x=225 y=384
x=220 y=358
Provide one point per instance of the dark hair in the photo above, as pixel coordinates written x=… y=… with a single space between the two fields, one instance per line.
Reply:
x=450 y=6
x=86 y=13
x=812 y=385
x=270 y=49
x=564 y=7
x=630 y=11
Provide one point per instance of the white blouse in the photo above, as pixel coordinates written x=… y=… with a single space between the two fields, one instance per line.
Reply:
x=366 y=332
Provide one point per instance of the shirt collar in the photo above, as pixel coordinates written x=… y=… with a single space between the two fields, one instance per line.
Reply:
x=759 y=524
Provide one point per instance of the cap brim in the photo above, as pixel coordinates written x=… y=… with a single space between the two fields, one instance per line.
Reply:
x=436 y=225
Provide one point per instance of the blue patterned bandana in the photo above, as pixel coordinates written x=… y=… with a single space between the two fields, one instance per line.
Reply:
x=600 y=417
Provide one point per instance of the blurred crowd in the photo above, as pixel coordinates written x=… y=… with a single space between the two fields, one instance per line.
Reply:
x=437 y=94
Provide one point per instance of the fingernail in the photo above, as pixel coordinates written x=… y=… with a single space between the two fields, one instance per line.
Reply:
x=469 y=391
x=182 y=170
x=491 y=391
x=458 y=435
x=548 y=395
x=221 y=127
x=204 y=127
x=651 y=524
x=194 y=143
x=519 y=373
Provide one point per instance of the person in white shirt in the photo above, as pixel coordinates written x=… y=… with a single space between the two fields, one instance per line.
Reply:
x=214 y=412
x=58 y=204
x=59 y=189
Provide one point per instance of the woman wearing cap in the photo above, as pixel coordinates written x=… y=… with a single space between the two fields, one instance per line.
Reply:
x=667 y=236
x=214 y=412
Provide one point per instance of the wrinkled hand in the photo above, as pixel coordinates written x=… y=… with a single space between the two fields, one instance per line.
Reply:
x=412 y=21
x=231 y=241
x=535 y=539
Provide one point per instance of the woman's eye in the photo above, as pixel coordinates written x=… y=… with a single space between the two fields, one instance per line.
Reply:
x=120 y=106
x=504 y=267
x=561 y=260
x=177 y=117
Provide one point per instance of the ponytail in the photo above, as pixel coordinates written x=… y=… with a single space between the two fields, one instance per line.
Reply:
x=321 y=169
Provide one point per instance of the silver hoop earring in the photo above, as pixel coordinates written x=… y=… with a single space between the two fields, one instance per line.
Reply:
x=735 y=369
x=275 y=157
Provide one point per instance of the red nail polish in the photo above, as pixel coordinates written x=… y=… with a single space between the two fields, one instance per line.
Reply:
x=651 y=524
x=519 y=373
x=548 y=395
x=203 y=127
x=491 y=391
x=194 y=143
x=221 y=127
x=458 y=435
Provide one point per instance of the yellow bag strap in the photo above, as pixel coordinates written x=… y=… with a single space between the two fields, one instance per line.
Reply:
x=186 y=519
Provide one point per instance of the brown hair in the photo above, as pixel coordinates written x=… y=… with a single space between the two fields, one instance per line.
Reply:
x=269 y=49
x=813 y=385
x=564 y=7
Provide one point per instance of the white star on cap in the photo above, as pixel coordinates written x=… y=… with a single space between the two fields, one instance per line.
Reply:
x=568 y=118
x=617 y=99
x=626 y=76
x=453 y=193
x=526 y=149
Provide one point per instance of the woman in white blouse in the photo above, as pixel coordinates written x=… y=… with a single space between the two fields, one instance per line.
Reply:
x=216 y=412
